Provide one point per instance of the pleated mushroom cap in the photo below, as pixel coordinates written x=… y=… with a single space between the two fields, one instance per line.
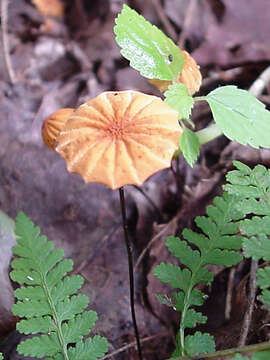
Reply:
x=189 y=76
x=120 y=138
x=53 y=124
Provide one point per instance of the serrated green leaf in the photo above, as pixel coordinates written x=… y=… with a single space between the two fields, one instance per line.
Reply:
x=239 y=357
x=193 y=318
x=263 y=277
x=257 y=247
x=147 y=48
x=76 y=328
x=240 y=116
x=31 y=308
x=178 y=98
x=169 y=273
x=71 y=306
x=30 y=292
x=261 y=355
x=250 y=227
x=60 y=270
x=35 y=325
x=189 y=145
x=68 y=286
x=91 y=349
x=199 y=344
x=40 y=346
x=265 y=297
x=222 y=257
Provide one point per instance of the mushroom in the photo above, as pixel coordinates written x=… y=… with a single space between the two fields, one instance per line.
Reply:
x=189 y=76
x=118 y=138
x=52 y=126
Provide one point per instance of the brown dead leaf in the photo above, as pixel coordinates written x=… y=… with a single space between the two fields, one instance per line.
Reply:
x=54 y=8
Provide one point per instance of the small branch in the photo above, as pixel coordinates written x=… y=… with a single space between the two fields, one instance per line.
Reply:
x=130 y=268
x=189 y=18
x=123 y=348
x=163 y=18
x=251 y=300
x=228 y=305
x=260 y=83
x=228 y=352
x=4 y=19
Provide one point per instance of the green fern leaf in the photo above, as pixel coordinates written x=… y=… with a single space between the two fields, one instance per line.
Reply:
x=199 y=343
x=263 y=281
x=48 y=301
x=147 y=48
x=76 y=328
x=35 y=325
x=234 y=110
x=239 y=357
x=261 y=355
x=216 y=244
x=91 y=349
x=40 y=346
x=257 y=247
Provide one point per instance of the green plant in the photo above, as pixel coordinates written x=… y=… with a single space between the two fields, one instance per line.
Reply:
x=155 y=56
x=223 y=231
x=47 y=302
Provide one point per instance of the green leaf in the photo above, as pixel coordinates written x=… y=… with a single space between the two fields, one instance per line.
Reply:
x=240 y=116
x=257 y=247
x=239 y=357
x=263 y=277
x=189 y=145
x=178 y=98
x=91 y=349
x=40 y=346
x=193 y=318
x=147 y=48
x=199 y=344
x=76 y=328
x=35 y=325
x=169 y=273
x=261 y=355
x=1 y=356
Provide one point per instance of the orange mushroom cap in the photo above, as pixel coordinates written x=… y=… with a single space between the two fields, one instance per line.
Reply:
x=120 y=138
x=52 y=126
x=189 y=76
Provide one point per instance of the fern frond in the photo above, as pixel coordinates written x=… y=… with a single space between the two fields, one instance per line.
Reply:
x=253 y=189
x=217 y=243
x=47 y=300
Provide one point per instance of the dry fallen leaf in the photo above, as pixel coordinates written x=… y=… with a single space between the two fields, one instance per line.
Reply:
x=54 y=8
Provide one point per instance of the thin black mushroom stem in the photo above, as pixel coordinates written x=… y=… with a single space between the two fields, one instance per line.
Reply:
x=130 y=268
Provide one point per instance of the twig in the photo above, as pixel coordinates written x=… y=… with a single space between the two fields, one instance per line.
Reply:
x=151 y=202
x=251 y=300
x=188 y=19
x=228 y=352
x=228 y=305
x=151 y=242
x=260 y=83
x=4 y=19
x=123 y=348
x=163 y=18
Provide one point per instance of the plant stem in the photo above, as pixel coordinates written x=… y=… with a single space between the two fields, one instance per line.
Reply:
x=228 y=352
x=130 y=267
x=211 y=132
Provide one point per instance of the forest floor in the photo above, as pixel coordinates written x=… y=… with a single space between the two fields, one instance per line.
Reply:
x=64 y=60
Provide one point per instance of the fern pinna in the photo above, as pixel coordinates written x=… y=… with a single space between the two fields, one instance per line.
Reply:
x=252 y=187
x=47 y=300
x=216 y=244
